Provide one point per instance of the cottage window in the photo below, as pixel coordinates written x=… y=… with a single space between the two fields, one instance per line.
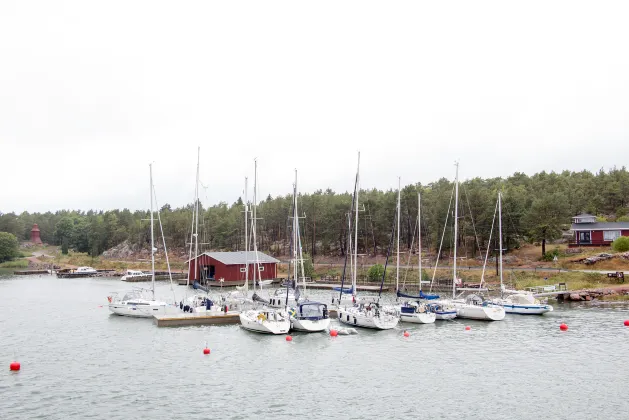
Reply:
x=243 y=270
x=261 y=268
x=610 y=235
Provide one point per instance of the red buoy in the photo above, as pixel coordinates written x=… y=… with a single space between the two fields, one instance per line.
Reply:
x=15 y=366
x=206 y=351
x=334 y=333
x=626 y=322
x=467 y=328
x=289 y=338
x=406 y=334
x=563 y=327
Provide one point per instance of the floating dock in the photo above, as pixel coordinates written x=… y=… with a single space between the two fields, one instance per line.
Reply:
x=29 y=272
x=364 y=288
x=158 y=277
x=186 y=319
x=189 y=319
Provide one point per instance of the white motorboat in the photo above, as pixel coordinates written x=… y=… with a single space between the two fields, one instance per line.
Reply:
x=86 y=270
x=368 y=315
x=310 y=316
x=135 y=275
x=134 y=304
x=267 y=321
x=523 y=303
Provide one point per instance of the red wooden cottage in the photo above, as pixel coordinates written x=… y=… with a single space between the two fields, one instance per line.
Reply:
x=231 y=266
x=589 y=232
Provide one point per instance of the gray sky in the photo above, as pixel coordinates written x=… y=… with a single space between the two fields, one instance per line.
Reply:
x=92 y=92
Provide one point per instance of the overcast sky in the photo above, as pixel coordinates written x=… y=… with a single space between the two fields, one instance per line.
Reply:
x=92 y=92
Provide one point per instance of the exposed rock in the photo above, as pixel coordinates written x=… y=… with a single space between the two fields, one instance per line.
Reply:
x=588 y=298
x=575 y=296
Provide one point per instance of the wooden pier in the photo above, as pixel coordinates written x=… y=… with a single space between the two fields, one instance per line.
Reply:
x=158 y=277
x=189 y=319
x=30 y=272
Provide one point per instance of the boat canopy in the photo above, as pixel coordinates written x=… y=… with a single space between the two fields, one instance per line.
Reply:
x=344 y=290
x=421 y=295
x=523 y=299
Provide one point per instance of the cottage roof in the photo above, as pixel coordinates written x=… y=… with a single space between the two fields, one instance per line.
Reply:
x=241 y=257
x=583 y=216
x=600 y=226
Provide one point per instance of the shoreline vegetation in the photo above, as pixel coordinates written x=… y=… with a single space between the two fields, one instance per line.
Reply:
x=520 y=277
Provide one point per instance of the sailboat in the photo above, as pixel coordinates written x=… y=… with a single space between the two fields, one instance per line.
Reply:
x=308 y=315
x=414 y=311
x=473 y=306
x=134 y=303
x=264 y=320
x=516 y=301
x=366 y=313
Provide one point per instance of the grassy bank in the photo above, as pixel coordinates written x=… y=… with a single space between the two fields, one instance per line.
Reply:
x=21 y=263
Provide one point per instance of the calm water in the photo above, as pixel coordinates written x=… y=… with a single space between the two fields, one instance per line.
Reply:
x=78 y=361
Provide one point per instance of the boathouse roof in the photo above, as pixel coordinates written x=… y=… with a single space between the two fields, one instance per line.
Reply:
x=240 y=257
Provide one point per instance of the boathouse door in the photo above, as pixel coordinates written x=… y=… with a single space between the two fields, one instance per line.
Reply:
x=585 y=237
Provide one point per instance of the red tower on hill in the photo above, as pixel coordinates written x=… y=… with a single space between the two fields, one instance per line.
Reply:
x=35 y=234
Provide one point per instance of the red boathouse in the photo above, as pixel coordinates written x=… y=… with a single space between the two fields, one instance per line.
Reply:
x=589 y=232
x=231 y=266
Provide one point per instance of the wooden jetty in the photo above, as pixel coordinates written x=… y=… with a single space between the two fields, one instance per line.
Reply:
x=364 y=287
x=186 y=319
x=29 y=272
x=158 y=277
x=189 y=319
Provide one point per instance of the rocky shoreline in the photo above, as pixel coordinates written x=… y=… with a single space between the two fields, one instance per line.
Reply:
x=592 y=295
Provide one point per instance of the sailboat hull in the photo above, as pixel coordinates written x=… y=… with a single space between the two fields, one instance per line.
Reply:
x=367 y=319
x=251 y=321
x=481 y=313
x=419 y=318
x=310 y=325
x=527 y=309
x=145 y=310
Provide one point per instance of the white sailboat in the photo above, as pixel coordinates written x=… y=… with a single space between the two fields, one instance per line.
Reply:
x=413 y=311
x=308 y=315
x=516 y=301
x=366 y=313
x=472 y=307
x=134 y=303
x=265 y=320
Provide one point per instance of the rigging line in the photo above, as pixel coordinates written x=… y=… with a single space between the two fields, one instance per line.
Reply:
x=493 y=221
x=410 y=252
x=445 y=225
x=467 y=198
x=161 y=228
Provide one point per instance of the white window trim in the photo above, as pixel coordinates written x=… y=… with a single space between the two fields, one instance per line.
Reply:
x=243 y=270
x=260 y=268
x=608 y=233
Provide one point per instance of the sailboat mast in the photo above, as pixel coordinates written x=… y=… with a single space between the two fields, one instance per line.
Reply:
x=397 y=260
x=356 y=227
x=295 y=270
x=246 y=239
x=254 y=215
x=456 y=226
x=500 y=236
x=196 y=229
x=298 y=237
x=152 y=237
x=419 y=237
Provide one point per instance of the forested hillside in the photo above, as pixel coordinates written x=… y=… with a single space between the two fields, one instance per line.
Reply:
x=535 y=208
